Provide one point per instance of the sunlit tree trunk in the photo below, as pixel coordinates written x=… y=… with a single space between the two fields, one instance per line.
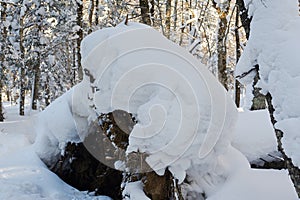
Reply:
x=222 y=11
x=175 y=15
x=168 y=18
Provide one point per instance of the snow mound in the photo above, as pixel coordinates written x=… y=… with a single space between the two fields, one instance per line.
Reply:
x=185 y=117
x=24 y=176
x=274 y=45
x=54 y=127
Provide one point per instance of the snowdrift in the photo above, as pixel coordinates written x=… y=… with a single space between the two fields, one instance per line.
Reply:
x=185 y=118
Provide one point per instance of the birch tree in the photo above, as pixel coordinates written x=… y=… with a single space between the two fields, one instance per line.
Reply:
x=222 y=10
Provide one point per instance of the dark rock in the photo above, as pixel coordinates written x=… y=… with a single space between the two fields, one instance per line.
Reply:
x=159 y=187
x=89 y=166
x=82 y=171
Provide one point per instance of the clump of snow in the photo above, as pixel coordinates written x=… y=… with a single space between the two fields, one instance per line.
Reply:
x=24 y=176
x=255 y=136
x=274 y=45
x=134 y=191
x=185 y=117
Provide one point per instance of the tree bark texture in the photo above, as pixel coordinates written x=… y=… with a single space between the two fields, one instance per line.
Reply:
x=294 y=171
x=221 y=44
x=22 y=68
x=238 y=55
x=168 y=18
x=37 y=71
x=244 y=17
x=2 y=56
x=91 y=13
x=144 y=5
x=80 y=37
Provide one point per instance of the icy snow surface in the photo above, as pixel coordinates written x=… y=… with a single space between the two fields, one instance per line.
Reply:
x=23 y=176
x=274 y=44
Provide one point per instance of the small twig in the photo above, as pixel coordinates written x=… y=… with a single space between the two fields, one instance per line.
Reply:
x=275 y=157
x=248 y=72
x=263 y=3
x=126 y=20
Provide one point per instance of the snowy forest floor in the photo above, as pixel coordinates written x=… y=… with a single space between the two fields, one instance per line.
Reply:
x=24 y=176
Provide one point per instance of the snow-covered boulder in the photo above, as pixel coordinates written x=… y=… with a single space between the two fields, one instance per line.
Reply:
x=184 y=116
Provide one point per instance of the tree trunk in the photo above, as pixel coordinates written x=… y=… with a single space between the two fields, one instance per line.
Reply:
x=182 y=24
x=37 y=70
x=168 y=18
x=97 y=13
x=47 y=92
x=175 y=15
x=2 y=56
x=91 y=13
x=22 y=69
x=259 y=100
x=221 y=44
x=1 y=86
x=221 y=50
x=243 y=12
x=36 y=83
x=144 y=5
x=299 y=6
x=1 y=107
x=294 y=171
x=152 y=2
x=74 y=65
x=80 y=37
x=238 y=55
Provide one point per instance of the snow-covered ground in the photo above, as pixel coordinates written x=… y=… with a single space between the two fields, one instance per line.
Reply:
x=24 y=176
x=186 y=125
